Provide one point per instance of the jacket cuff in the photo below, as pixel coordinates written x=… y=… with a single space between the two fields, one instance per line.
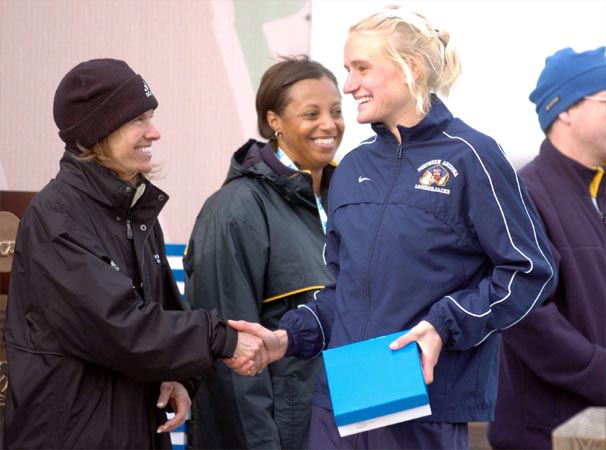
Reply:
x=223 y=337
x=290 y=349
x=439 y=324
x=231 y=340
x=305 y=336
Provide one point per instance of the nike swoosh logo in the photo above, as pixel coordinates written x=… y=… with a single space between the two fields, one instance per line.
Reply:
x=362 y=179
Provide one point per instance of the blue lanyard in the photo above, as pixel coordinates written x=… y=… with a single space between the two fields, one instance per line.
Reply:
x=284 y=159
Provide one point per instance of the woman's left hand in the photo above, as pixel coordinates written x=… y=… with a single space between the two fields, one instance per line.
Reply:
x=429 y=342
x=175 y=394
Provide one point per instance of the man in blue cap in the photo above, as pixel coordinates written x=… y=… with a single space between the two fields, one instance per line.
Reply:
x=553 y=363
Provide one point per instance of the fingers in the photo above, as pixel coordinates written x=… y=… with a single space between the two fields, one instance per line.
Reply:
x=175 y=422
x=174 y=393
x=255 y=329
x=242 y=366
x=402 y=341
x=241 y=325
x=251 y=348
x=430 y=345
x=257 y=344
x=426 y=363
x=427 y=366
x=167 y=426
x=238 y=363
x=165 y=392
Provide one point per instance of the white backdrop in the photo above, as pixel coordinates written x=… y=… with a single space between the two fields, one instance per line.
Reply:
x=502 y=44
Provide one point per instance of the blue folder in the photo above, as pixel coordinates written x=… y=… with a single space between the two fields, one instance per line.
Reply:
x=372 y=386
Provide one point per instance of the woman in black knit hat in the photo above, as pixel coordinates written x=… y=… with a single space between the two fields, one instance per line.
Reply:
x=98 y=344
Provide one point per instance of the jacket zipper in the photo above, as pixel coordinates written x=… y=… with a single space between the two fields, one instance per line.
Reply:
x=136 y=271
x=374 y=240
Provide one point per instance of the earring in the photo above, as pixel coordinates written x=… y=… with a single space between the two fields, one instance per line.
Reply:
x=278 y=135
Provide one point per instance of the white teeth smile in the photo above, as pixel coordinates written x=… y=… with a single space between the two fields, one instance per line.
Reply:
x=145 y=149
x=363 y=100
x=325 y=141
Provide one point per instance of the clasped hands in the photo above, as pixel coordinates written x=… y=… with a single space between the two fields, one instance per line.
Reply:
x=256 y=348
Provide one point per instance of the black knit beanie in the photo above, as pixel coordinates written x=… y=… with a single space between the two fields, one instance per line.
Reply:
x=96 y=98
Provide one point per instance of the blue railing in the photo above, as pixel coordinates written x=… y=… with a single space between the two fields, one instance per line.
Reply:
x=174 y=253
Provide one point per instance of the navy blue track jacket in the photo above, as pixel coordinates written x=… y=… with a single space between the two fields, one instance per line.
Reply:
x=438 y=228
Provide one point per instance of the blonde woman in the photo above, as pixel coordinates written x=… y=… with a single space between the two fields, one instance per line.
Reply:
x=429 y=229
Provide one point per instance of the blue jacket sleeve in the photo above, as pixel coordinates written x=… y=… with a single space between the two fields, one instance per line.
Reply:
x=520 y=274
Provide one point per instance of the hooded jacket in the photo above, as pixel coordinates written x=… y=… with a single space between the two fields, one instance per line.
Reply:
x=256 y=252
x=437 y=228
x=94 y=321
x=553 y=365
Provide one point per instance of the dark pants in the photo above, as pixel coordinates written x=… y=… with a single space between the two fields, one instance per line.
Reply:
x=405 y=435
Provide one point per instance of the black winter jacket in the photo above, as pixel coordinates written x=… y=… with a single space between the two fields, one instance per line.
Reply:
x=255 y=253
x=94 y=319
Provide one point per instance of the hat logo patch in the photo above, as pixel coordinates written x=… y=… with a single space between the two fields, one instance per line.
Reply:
x=147 y=90
x=435 y=175
x=552 y=102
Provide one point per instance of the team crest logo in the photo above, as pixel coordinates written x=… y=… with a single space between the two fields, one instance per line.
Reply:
x=435 y=175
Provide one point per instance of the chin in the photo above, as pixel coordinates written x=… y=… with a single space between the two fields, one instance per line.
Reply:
x=364 y=118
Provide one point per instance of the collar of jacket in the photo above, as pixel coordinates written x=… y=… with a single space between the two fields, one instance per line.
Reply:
x=257 y=159
x=568 y=169
x=107 y=189
x=437 y=120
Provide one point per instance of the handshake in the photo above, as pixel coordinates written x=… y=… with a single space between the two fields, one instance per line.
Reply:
x=256 y=348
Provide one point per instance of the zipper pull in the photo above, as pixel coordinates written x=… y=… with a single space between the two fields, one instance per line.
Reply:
x=129 y=230
x=399 y=152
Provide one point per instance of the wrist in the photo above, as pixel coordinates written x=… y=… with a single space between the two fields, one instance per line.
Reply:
x=282 y=340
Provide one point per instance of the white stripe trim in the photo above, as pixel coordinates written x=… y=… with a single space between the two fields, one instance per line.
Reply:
x=536 y=240
x=370 y=140
x=468 y=312
x=510 y=240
